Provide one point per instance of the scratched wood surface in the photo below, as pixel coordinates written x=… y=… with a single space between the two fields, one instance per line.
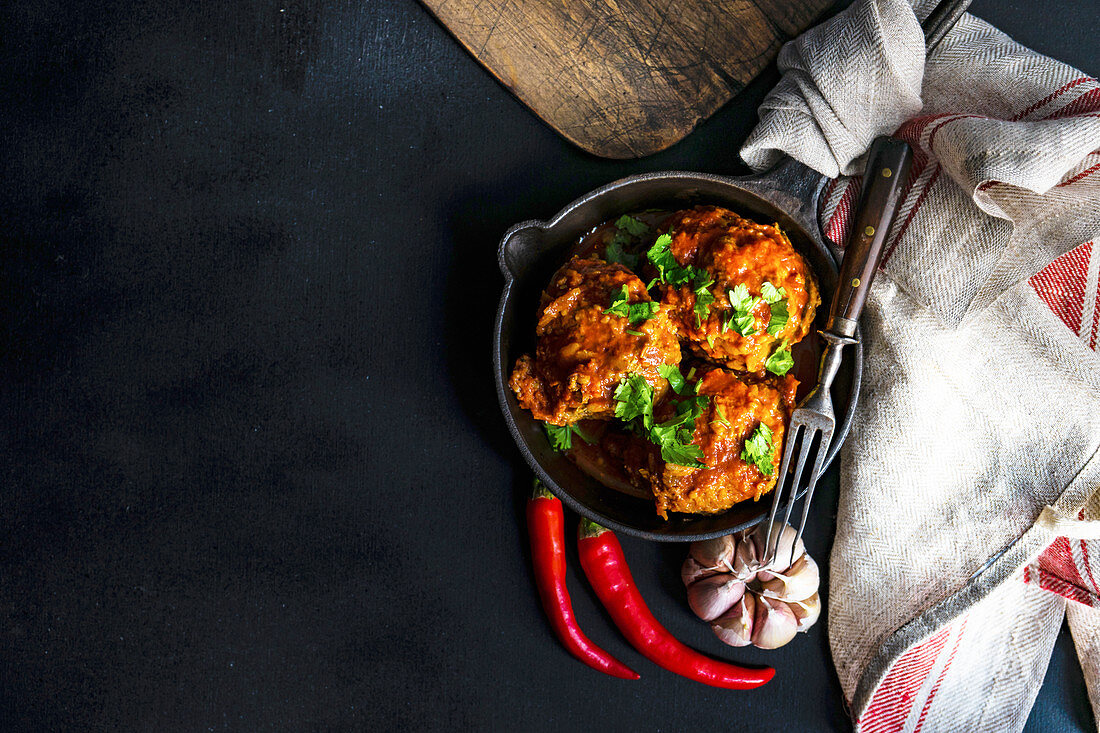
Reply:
x=625 y=78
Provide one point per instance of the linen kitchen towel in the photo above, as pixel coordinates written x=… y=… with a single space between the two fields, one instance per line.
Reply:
x=969 y=512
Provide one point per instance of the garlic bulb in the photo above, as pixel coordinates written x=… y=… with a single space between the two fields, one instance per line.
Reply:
x=749 y=604
x=806 y=611
x=712 y=596
x=745 y=562
x=715 y=554
x=786 y=551
x=734 y=627
x=799 y=581
x=692 y=571
x=774 y=623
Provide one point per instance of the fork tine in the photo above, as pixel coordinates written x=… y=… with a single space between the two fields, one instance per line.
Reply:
x=777 y=498
x=808 y=436
x=815 y=474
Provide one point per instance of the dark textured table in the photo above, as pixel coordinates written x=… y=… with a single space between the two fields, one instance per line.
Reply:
x=254 y=472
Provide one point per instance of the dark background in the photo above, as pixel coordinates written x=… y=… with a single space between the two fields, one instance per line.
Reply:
x=254 y=472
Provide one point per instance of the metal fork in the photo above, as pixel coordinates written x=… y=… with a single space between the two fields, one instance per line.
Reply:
x=813 y=421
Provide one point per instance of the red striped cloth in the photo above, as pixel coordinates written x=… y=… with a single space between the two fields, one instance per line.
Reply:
x=1070 y=287
x=977 y=438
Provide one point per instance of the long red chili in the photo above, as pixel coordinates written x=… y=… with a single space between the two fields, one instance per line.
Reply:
x=546 y=524
x=603 y=562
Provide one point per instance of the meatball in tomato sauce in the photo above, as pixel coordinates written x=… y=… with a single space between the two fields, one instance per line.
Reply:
x=741 y=433
x=761 y=297
x=597 y=324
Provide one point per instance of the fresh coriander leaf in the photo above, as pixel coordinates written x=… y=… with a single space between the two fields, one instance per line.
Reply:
x=671 y=271
x=710 y=340
x=781 y=361
x=674 y=435
x=693 y=406
x=772 y=294
x=703 y=298
x=683 y=275
x=671 y=372
x=561 y=437
x=760 y=450
x=740 y=298
x=642 y=311
x=779 y=317
x=741 y=319
x=614 y=252
x=745 y=323
x=688 y=455
x=662 y=434
x=660 y=254
x=633 y=312
x=634 y=398
x=631 y=226
x=620 y=304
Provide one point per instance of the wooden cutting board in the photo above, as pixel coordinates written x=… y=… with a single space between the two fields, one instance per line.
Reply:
x=625 y=78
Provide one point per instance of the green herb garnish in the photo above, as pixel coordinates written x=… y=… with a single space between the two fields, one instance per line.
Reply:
x=561 y=436
x=633 y=312
x=629 y=229
x=703 y=298
x=673 y=273
x=760 y=450
x=741 y=318
x=683 y=454
x=631 y=226
x=772 y=294
x=781 y=361
x=674 y=435
x=660 y=254
x=676 y=380
x=634 y=398
x=779 y=317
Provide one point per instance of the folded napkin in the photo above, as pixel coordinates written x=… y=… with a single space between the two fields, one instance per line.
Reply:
x=970 y=486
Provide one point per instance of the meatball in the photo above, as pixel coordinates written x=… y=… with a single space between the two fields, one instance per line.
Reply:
x=732 y=251
x=734 y=413
x=583 y=352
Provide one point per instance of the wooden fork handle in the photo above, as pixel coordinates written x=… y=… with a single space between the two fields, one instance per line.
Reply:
x=884 y=181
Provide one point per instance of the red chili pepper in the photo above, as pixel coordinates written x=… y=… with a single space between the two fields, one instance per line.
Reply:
x=603 y=562
x=546 y=523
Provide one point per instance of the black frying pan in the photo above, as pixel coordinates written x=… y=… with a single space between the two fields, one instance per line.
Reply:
x=532 y=251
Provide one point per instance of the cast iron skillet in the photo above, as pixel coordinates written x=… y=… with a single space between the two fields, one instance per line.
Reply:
x=532 y=251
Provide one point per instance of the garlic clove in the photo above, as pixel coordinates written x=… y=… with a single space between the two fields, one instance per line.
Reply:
x=712 y=596
x=799 y=581
x=786 y=552
x=807 y=611
x=692 y=571
x=774 y=623
x=734 y=627
x=745 y=564
x=715 y=554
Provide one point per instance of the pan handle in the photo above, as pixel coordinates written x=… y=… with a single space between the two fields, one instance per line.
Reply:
x=793 y=187
x=519 y=247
